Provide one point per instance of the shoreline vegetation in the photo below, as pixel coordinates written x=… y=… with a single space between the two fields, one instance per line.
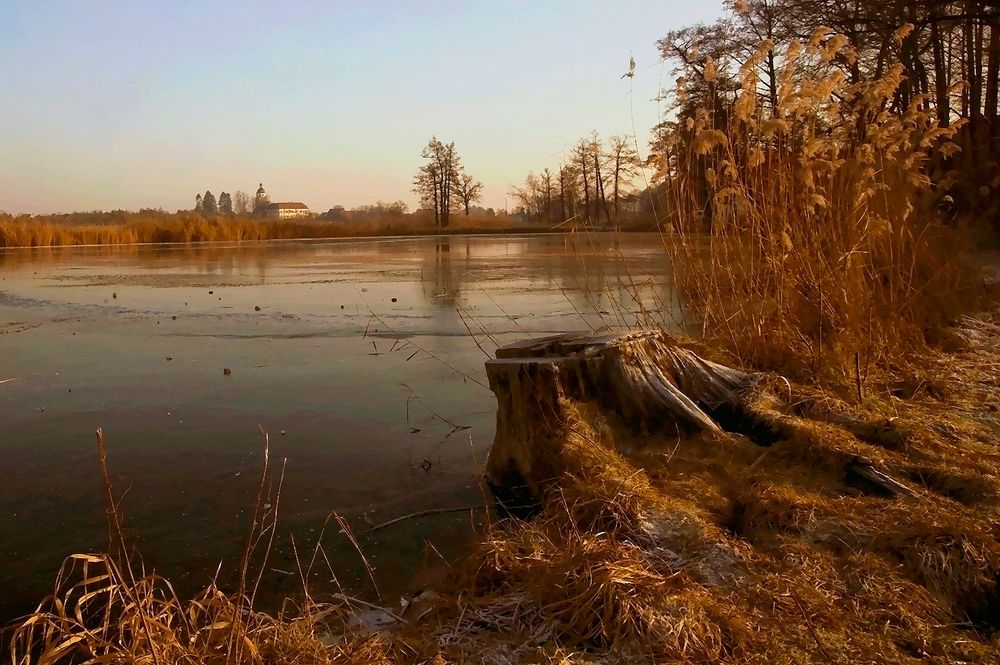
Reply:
x=841 y=199
x=186 y=227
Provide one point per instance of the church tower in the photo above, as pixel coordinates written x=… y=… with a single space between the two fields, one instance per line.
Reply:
x=260 y=201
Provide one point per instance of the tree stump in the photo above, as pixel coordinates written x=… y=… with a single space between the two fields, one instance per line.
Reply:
x=646 y=378
x=649 y=383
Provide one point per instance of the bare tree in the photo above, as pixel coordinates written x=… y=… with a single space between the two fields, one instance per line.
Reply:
x=545 y=183
x=569 y=177
x=625 y=165
x=581 y=155
x=529 y=196
x=763 y=22
x=241 y=203
x=597 y=158
x=435 y=180
x=469 y=190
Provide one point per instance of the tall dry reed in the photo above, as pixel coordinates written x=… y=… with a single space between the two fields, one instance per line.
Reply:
x=806 y=237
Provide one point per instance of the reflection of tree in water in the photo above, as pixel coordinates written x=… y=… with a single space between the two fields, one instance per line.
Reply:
x=615 y=285
x=444 y=281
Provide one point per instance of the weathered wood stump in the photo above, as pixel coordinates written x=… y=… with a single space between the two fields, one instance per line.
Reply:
x=646 y=380
x=650 y=382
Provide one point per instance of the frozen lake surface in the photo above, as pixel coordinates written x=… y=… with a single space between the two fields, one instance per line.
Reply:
x=135 y=340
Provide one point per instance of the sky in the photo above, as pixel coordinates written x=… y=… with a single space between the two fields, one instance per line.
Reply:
x=136 y=104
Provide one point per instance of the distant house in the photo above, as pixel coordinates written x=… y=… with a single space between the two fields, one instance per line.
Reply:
x=263 y=207
x=286 y=210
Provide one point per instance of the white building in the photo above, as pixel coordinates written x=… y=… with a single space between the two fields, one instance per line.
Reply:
x=263 y=207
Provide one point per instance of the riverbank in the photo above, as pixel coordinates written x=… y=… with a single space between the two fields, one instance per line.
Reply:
x=704 y=548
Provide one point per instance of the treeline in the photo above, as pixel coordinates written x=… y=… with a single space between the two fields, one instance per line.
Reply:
x=208 y=205
x=594 y=185
x=938 y=43
x=122 y=227
x=377 y=210
x=941 y=56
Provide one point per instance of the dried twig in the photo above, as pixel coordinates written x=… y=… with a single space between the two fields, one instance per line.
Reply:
x=431 y=511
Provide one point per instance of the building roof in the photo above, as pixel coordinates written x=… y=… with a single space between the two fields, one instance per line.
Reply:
x=288 y=205
x=260 y=190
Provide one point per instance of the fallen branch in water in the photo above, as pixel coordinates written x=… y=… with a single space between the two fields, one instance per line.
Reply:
x=431 y=511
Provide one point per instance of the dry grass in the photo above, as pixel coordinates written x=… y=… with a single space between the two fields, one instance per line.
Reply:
x=823 y=236
x=154 y=227
x=721 y=550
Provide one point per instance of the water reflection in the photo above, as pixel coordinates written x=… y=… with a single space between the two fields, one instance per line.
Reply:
x=596 y=274
x=443 y=286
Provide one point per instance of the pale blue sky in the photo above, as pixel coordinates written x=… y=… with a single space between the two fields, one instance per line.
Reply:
x=131 y=104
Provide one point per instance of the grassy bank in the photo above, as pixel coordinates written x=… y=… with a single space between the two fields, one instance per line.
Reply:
x=701 y=549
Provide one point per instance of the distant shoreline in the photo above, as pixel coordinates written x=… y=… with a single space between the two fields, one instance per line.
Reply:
x=338 y=233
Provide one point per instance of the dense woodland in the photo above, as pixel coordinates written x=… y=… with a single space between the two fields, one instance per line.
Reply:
x=940 y=56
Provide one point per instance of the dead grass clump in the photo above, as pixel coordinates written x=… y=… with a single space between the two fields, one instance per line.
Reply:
x=963 y=486
x=770 y=508
x=955 y=560
x=548 y=582
x=598 y=490
x=882 y=596
x=97 y=613
x=602 y=568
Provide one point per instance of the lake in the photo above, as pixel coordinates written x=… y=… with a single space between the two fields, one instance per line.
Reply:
x=361 y=359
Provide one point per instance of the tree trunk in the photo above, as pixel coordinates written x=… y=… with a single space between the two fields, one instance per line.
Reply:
x=437 y=204
x=601 y=200
x=562 y=197
x=993 y=73
x=445 y=199
x=772 y=83
x=940 y=78
x=617 y=176
x=972 y=70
